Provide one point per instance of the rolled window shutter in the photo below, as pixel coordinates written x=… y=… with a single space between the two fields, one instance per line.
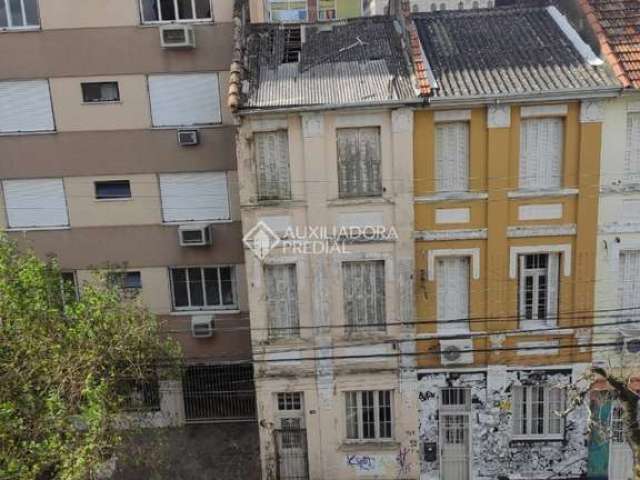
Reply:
x=452 y=156
x=25 y=106
x=553 y=283
x=541 y=150
x=184 y=99
x=194 y=196
x=35 y=203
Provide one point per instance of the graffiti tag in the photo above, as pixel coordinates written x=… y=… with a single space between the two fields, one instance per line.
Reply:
x=363 y=462
x=424 y=396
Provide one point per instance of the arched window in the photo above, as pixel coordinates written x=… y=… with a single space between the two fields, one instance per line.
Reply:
x=434 y=7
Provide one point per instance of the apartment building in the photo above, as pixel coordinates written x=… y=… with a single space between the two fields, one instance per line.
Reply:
x=324 y=153
x=311 y=11
x=506 y=175
x=116 y=149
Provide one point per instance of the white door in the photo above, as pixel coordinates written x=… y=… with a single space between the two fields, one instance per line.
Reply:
x=454 y=446
x=620 y=454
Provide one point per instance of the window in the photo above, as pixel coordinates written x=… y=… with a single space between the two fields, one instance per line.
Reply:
x=452 y=157
x=68 y=286
x=455 y=399
x=100 y=92
x=632 y=154
x=126 y=280
x=25 y=106
x=537 y=411
x=112 y=189
x=538 y=288
x=629 y=279
x=541 y=153
x=175 y=10
x=140 y=395
x=364 y=295
x=272 y=163
x=282 y=300
x=292 y=44
x=35 y=203
x=327 y=10
x=198 y=288
x=359 y=162
x=452 y=276
x=289 y=401
x=369 y=415
x=288 y=10
x=618 y=429
x=184 y=99
x=17 y=14
x=194 y=196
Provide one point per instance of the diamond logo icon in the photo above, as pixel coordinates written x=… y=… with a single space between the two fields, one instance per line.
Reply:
x=261 y=239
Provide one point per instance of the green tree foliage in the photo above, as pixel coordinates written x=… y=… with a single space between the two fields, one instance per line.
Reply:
x=63 y=358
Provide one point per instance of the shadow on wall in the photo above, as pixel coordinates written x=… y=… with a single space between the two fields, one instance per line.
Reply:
x=224 y=451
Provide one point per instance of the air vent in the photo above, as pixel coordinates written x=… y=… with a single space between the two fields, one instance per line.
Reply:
x=188 y=138
x=202 y=326
x=177 y=36
x=198 y=235
x=456 y=352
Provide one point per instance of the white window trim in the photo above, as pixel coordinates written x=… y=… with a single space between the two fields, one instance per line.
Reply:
x=376 y=400
x=205 y=308
x=452 y=116
x=535 y=111
x=175 y=7
x=474 y=253
x=535 y=436
x=564 y=249
x=617 y=249
x=11 y=28
x=306 y=10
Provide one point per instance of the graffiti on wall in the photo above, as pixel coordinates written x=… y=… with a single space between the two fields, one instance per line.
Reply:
x=393 y=465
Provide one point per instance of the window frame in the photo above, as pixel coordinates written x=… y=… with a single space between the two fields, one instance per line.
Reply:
x=284 y=191
x=359 y=410
x=439 y=181
x=84 y=85
x=370 y=192
x=547 y=412
x=204 y=307
x=454 y=325
x=108 y=198
x=11 y=28
x=631 y=162
x=175 y=9
x=301 y=20
x=534 y=182
x=551 y=303
x=353 y=328
x=277 y=332
x=623 y=289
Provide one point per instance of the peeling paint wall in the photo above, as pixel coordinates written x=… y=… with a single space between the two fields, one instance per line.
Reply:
x=493 y=452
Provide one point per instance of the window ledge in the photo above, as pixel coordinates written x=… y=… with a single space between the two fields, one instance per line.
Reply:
x=31 y=28
x=558 y=192
x=192 y=222
x=193 y=21
x=188 y=313
x=36 y=229
x=359 y=445
x=24 y=133
x=537 y=438
x=274 y=203
x=102 y=102
x=451 y=197
x=630 y=187
x=100 y=200
x=373 y=200
x=200 y=126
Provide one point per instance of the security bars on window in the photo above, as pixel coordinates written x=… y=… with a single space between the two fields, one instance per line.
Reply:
x=200 y=288
x=369 y=415
x=175 y=10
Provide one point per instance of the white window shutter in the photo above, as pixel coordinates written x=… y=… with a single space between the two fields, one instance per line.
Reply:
x=553 y=290
x=359 y=161
x=184 y=99
x=194 y=196
x=364 y=294
x=35 y=203
x=282 y=299
x=541 y=150
x=516 y=409
x=25 y=106
x=272 y=163
x=452 y=278
x=629 y=279
x=632 y=152
x=452 y=157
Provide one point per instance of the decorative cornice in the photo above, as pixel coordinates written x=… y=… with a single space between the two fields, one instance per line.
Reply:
x=541 y=231
x=466 y=234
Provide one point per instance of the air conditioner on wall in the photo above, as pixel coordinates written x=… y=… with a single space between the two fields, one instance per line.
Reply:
x=456 y=352
x=202 y=326
x=187 y=138
x=177 y=36
x=198 y=235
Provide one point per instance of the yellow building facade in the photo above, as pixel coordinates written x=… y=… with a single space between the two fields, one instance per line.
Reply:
x=496 y=223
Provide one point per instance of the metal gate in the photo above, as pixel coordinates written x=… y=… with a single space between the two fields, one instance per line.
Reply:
x=214 y=393
x=291 y=454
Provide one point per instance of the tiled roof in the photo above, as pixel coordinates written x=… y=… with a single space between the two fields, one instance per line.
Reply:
x=503 y=51
x=616 y=24
x=352 y=61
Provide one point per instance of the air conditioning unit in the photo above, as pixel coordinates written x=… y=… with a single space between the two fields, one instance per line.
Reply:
x=188 y=138
x=202 y=326
x=177 y=36
x=456 y=352
x=195 y=235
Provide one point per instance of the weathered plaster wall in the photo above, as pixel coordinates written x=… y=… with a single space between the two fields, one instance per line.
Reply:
x=494 y=454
